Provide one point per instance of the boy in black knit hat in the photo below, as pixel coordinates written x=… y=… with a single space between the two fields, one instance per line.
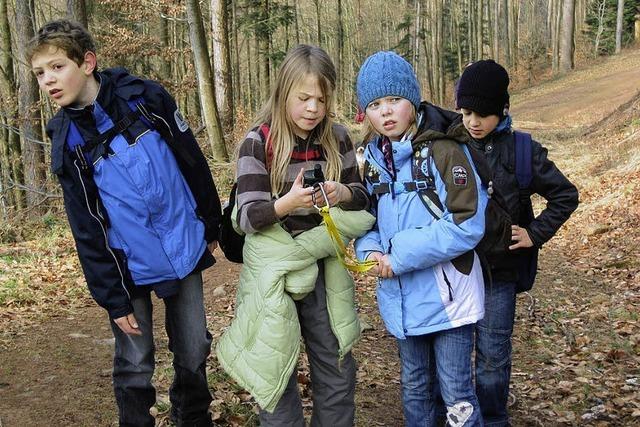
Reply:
x=483 y=99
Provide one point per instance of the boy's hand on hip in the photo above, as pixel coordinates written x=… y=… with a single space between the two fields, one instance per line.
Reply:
x=521 y=238
x=128 y=324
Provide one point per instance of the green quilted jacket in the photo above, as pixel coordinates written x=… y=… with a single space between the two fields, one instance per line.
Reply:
x=260 y=348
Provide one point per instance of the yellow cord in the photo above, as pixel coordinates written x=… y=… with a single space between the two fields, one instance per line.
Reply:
x=348 y=261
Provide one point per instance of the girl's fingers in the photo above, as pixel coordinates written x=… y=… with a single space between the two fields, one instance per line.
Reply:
x=299 y=179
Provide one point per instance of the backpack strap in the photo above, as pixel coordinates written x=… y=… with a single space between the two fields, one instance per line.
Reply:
x=427 y=194
x=524 y=168
x=265 y=130
x=157 y=123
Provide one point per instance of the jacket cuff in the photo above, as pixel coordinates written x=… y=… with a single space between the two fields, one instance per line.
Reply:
x=122 y=311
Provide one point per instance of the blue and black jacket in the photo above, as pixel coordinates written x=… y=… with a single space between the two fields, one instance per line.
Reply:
x=141 y=208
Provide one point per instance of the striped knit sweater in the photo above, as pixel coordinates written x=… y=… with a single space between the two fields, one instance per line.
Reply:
x=256 y=203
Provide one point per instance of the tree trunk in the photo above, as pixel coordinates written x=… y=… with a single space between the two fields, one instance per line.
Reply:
x=555 y=36
x=496 y=30
x=263 y=39
x=10 y=152
x=318 y=22
x=235 y=82
x=77 y=10
x=206 y=88
x=165 y=63
x=222 y=64
x=340 y=62
x=29 y=113
x=479 y=35
x=507 y=31
x=619 y=19
x=567 y=47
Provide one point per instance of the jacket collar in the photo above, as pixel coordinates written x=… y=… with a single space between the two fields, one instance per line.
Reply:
x=113 y=82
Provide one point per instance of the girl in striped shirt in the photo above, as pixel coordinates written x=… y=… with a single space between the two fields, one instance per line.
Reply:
x=293 y=132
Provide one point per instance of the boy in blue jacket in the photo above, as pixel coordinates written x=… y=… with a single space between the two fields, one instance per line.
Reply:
x=143 y=210
x=483 y=97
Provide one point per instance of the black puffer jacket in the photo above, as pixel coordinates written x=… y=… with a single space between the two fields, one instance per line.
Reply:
x=548 y=181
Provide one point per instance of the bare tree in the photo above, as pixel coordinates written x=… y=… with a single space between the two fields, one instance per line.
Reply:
x=567 y=46
x=29 y=112
x=77 y=10
x=206 y=88
x=222 y=63
x=619 y=20
x=10 y=164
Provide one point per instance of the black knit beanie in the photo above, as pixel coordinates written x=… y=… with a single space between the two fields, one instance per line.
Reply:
x=483 y=88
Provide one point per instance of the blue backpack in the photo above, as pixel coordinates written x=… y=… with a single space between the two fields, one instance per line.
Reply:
x=528 y=258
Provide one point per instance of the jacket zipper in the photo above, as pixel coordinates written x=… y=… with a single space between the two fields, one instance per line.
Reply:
x=446 y=279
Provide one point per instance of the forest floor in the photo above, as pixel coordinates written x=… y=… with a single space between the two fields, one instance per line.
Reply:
x=577 y=336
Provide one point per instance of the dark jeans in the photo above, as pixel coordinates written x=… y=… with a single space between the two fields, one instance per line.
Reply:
x=444 y=357
x=333 y=382
x=190 y=343
x=493 y=352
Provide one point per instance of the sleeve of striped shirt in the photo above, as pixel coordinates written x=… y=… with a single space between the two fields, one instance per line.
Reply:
x=256 y=209
x=350 y=174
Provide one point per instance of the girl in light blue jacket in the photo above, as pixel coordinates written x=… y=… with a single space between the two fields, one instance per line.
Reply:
x=430 y=216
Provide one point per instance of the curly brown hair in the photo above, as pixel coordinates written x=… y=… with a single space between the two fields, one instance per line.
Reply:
x=65 y=34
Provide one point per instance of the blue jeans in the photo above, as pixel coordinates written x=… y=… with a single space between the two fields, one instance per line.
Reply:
x=445 y=357
x=493 y=352
x=190 y=343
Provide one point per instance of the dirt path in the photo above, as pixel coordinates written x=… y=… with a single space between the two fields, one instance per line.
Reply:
x=56 y=371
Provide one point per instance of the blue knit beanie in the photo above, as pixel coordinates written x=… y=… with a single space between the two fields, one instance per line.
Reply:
x=386 y=74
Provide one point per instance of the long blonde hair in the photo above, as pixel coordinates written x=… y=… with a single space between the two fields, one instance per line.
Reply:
x=301 y=61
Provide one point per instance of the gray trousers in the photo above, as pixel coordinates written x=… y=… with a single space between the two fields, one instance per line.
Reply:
x=333 y=384
x=190 y=343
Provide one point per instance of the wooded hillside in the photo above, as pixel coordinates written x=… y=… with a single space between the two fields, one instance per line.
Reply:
x=219 y=58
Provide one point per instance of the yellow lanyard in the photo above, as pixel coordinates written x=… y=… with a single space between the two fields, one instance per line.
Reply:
x=349 y=262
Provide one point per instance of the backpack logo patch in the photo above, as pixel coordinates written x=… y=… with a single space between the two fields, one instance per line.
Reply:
x=459 y=175
x=180 y=122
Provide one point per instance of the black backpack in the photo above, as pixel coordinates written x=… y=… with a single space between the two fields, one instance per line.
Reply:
x=230 y=241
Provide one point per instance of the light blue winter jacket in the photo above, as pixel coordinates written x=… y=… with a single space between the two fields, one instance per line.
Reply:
x=437 y=281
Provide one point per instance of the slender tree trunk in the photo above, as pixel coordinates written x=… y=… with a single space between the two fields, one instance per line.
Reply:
x=555 y=53
x=567 y=46
x=456 y=24
x=236 y=83
x=507 y=31
x=295 y=17
x=29 y=113
x=619 y=19
x=10 y=152
x=495 y=35
x=318 y=22
x=77 y=10
x=163 y=26
x=264 y=52
x=340 y=62
x=222 y=64
x=206 y=87
x=479 y=35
